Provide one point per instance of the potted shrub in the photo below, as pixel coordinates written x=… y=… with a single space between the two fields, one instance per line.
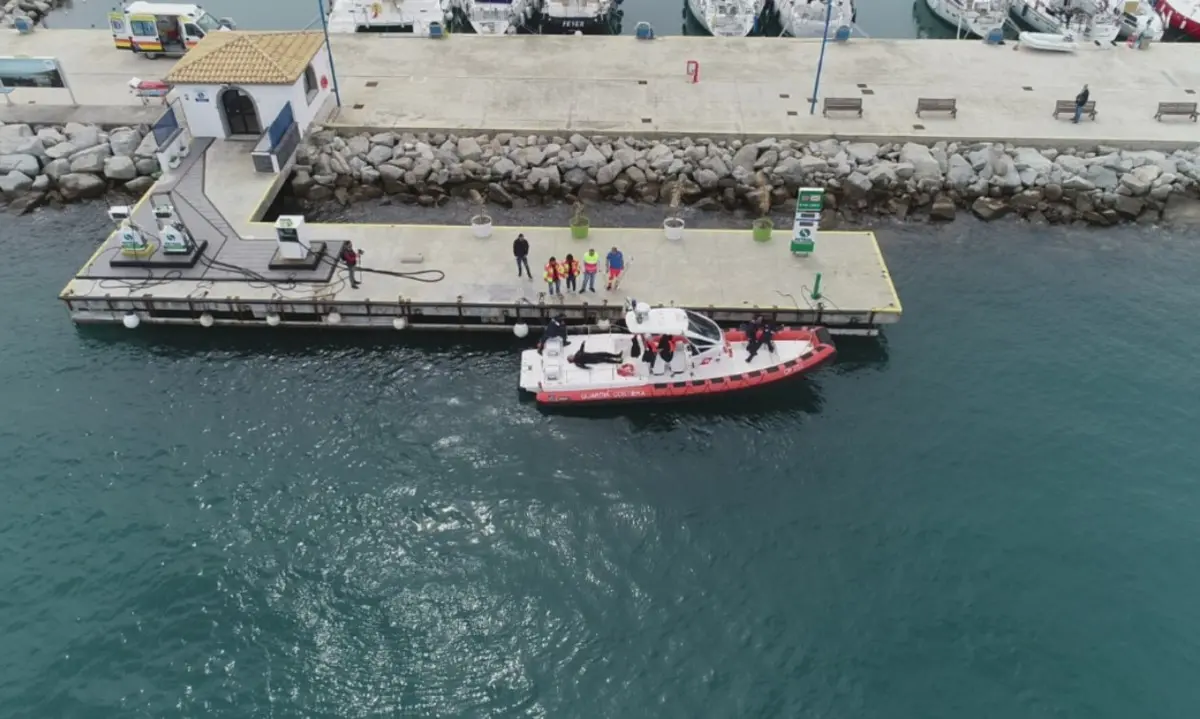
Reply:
x=579 y=223
x=481 y=222
x=764 y=225
x=674 y=224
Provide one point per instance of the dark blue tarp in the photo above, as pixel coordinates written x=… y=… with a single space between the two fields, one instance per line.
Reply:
x=280 y=125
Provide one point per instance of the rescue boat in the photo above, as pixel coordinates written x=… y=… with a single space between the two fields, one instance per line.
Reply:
x=706 y=360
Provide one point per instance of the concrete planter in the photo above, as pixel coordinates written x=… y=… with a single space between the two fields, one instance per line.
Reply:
x=673 y=228
x=481 y=226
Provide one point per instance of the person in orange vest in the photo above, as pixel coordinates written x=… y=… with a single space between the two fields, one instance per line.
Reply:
x=552 y=273
x=570 y=270
x=591 y=265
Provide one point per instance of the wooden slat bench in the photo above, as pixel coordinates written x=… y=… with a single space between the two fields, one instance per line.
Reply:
x=937 y=104
x=1183 y=109
x=1067 y=107
x=842 y=104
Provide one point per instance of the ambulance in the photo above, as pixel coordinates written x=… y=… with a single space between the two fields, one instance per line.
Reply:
x=155 y=29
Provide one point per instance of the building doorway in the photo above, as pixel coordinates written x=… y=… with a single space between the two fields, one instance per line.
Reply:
x=241 y=117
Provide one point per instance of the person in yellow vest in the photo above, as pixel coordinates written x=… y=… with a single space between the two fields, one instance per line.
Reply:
x=591 y=265
x=553 y=273
x=570 y=270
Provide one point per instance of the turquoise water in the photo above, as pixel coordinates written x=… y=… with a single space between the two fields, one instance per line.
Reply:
x=993 y=513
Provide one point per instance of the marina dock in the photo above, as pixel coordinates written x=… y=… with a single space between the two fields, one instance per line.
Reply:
x=615 y=85
x=755 y=87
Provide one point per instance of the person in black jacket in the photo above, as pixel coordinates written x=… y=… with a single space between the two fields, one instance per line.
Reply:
x=521 y=252
x=1080 y=100
x=584 y=359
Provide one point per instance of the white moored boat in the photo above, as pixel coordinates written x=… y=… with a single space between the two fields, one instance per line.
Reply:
x=416 y=17
x=806 y=18
x=705 y=361
x=1140 y=20
x=728 y=18
x=972 y=17
x=1099 y=25
x=494 y=17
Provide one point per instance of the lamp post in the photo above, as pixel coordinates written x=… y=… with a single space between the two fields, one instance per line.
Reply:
x=812 y=110
x=337 y=95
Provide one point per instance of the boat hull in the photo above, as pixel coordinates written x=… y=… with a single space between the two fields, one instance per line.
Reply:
x=818 y=350
x=1182 y=15
x=971 y=22
x=742 y=25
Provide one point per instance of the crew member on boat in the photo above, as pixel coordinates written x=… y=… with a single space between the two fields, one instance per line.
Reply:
x=556 y=327
x=762 y=334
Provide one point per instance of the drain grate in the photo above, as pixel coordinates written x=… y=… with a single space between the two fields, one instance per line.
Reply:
x=862 y=85
x=359 y=106
x=647 y=120
x=784 y=96
x=868 y=92
x=918 y=127
x=1189 y=92
x=373 y=83
x=1027 y=88
x=791 y=113
x=642 y=82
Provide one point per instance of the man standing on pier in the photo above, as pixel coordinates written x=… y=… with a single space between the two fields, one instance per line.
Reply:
x=1080 y=100
x=521 y=252
x=615 y=261
x=350 y=257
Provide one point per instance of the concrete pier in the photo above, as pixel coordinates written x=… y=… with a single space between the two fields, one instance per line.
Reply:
x=747 y=87
x=458 y=281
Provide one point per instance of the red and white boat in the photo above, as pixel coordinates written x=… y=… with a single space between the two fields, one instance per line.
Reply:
x=707 y=361
x=1181 y=15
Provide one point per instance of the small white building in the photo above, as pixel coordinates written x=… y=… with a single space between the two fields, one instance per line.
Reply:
x=234 y=84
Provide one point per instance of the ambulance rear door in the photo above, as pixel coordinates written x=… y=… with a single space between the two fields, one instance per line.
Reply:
x=120 y=30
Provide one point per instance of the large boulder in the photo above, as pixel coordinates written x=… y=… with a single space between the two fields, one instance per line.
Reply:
x=989 y=208
x=23 y=146
x=124 y=142
x=62 y=149
x=146 y=165
x=49 y=136
x=1027 y=158
x=862 y=152
x=469 y=149
x=57 y=168
x=82 y=135
x=609 y=172
x=959 y=173
x=139 y=185
x=25 y=164
x=148 y=147
x=15 y=182
x=379 y=154
x=359 y=145
x=856 y=185
x=120 y=167
x=746 y=157
x=15 y=131
x=392 y=178
x=77 y=185
x=922 y=160
x=90 y=160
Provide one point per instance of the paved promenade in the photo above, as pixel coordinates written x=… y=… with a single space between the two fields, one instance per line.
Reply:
x=751 y=86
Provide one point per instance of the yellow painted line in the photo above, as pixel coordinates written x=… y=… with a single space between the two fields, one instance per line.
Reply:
x=887 y=276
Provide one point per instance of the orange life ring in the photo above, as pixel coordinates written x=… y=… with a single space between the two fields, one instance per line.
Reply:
x=626 y=370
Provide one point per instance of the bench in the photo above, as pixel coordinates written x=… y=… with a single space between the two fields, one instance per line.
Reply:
x=937 y=104
x=842 y=104
x=1187 y=109
x=1068 y=107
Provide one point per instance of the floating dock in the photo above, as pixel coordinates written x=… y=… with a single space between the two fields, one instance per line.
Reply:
x=442 y=277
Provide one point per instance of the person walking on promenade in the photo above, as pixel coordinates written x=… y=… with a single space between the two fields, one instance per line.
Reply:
x=521 y=252
x=615 y=261
x=1080 y=100
x=571 y=272
x=552 y=273
x=591 y=265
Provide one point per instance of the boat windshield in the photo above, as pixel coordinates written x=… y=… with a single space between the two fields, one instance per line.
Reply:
x=702 y=330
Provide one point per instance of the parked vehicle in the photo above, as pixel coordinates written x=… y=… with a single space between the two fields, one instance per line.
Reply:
x=156 y=29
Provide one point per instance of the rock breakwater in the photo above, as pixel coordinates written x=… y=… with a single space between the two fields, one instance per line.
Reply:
x=68 y=162
x=1095 y=184
x=35 y=10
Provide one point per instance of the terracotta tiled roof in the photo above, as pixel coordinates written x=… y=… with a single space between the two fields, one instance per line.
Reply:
x=239 y=57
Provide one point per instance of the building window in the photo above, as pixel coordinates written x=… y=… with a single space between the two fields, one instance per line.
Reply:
x=310 y=84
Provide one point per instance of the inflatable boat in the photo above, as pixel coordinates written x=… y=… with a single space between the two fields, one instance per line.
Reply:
x=700 y=359
x=1048 y=42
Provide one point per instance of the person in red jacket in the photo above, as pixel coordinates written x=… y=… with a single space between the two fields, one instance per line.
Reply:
x=350 y=256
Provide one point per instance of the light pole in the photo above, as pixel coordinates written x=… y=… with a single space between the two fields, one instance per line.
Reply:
x=337 y=95
x=812 y=110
